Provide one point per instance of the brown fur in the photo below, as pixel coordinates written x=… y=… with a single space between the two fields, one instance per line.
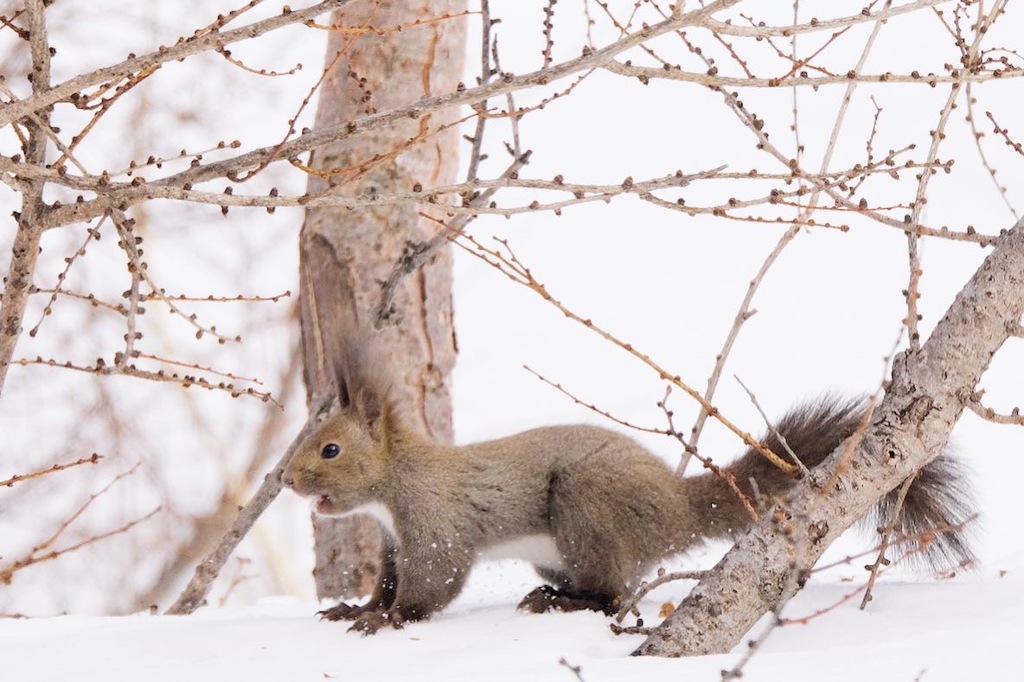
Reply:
x=612 y=508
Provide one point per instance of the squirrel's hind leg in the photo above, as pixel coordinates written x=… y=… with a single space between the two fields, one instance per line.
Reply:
x=560 y=595
x=545 y=598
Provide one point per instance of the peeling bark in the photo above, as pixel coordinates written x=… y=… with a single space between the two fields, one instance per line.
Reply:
x=927 y=394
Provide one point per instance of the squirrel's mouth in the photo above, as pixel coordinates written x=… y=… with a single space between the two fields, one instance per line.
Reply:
x=323 y=504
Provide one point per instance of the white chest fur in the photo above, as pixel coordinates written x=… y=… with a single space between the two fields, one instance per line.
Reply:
x=539 y=550
x=378 y=511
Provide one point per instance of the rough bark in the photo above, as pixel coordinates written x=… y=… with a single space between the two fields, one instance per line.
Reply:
x=927 y=394
x=25 y=250
x=347 y=253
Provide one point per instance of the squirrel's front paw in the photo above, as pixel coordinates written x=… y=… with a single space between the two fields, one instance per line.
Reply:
x=344 y=611
x=372 y=621
x=540 y=600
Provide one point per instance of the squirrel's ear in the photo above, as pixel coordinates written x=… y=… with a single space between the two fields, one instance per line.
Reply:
x=343 y=384
x=372 y=411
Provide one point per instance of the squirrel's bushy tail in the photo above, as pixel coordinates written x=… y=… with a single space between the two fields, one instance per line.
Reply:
x=937 y=503
x=937 y=513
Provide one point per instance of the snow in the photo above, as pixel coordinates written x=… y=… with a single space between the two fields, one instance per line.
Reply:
x=949 y=631
x=828 y=316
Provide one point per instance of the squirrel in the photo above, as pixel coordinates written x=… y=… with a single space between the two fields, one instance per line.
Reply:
x=590 y=508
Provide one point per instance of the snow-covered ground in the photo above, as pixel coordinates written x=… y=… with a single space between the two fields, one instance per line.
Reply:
x=950 y=631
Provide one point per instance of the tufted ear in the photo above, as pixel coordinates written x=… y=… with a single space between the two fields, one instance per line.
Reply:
x=361 y=379
x=343 y=385
x=372 y=410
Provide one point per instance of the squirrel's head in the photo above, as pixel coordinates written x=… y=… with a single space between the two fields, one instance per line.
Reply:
x=343 y=462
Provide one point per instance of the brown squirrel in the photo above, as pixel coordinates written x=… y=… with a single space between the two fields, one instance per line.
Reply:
x=590 y=508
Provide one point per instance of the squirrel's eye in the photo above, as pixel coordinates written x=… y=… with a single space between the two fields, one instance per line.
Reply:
x=330 y=451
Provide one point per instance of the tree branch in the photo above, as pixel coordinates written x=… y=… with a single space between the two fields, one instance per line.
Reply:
x=194 y=594
x=200 y=41
x=25 y=251
x=305 y=142
x=928 y=393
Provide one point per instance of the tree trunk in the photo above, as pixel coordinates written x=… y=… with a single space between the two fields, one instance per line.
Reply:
x=928 y=392
x=346 y=254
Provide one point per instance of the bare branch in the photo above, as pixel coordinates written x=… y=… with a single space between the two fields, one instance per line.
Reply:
x=732 y=29
x=7 y=574
x=648 y=586
x=804 y=216
x=200 y=41
x=595 y=408
x=913 y=422
x=782 y=439
x=25 y=250
x=91 y=459
x=955 y=77
x=194 y=594
x=742 y=315
x=233 y=167
x=1014 y=418
x=128 y=369
x=44 y=551
x=886 y=532
x=509 y=265
x=416 y=255
x=970 y=61
x=977 y=134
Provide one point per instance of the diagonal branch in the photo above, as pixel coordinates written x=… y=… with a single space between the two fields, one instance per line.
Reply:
x=194 y=594
x=926 y=397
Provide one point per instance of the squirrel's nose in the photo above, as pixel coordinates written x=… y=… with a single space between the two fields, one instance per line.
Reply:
x=287 y=479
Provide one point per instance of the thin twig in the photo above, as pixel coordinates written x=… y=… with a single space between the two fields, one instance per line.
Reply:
x=91 y=459
x=742 y=315
x=789 y=235
x=318 y=138
x=782 y=439
x=727 y=477
x=416 y=255
x=43 y=551
x=102 y=368
x=92 y=233
x=982 y=156
x=648 y=586
x=937 y=135
x=509 y=265
x=886 y=532
x=595 y=408
x=185 y=47
x=574 y=669
x=1014 y=418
